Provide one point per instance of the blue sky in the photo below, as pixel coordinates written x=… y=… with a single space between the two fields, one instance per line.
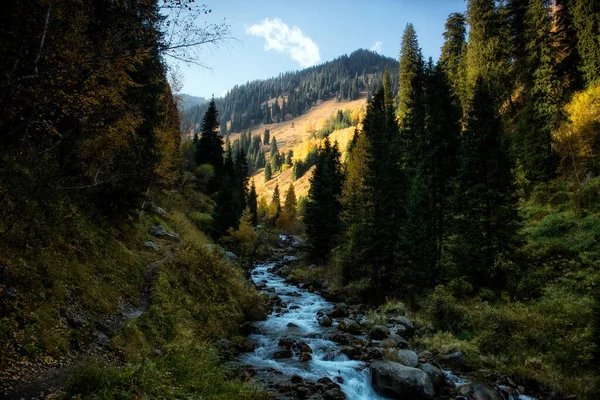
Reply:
x=285 y=35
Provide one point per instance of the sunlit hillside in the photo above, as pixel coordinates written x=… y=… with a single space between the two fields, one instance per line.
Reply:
x=295 y=135
x=293 y=132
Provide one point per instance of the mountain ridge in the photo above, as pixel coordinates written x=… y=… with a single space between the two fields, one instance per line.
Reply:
x=289 y=94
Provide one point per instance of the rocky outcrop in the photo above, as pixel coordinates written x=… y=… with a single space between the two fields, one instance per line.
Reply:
x=399 y=381
x=159 y=231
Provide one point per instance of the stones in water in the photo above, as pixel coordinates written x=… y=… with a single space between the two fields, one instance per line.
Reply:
x=334 y=394
x=479 y=391
x=339 y=311
x=436 y=375
x=326 y=321
x=399 y=381
x=350 y=326
x=284 y=353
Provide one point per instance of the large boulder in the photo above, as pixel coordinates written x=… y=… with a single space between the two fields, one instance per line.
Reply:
x=408 y=358
x=334 y=394
x=437 y=376
x=454 y=360
x=406 y=323
x=479 y=391
x=350 y=326
x=394 y=341
x=399 y=381
x=339 y=311
x=379 y=332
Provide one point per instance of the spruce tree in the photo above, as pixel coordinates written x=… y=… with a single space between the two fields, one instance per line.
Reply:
x=268 y=172
x=428 y=215
x=586 y=18
x=253 y=204
x=543 y=94
x=386 y=182
x=276 y=203
x=266 y=137
x=322 y=215
x=355 y=195
x=209 y=148
x=411 y=66
x=487 y=219
x=453 y=49
x=487 y=55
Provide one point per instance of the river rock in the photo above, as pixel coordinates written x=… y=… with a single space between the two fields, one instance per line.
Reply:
x=342 y=338
x=247 y=346
x=297 y=379
x=328 y=383
x=302 y=392
x=399 y=381
x=304 y=357
x=325 y=321
x=283 y=353
x=406 y=323
x=425 y=357
x=399 y=330
x=435 y=374
x=350 y=326
x=339 y=311
x=408 y=358
x=454 y=360
x=334 y=394
x=379 y=332
x=479 y=391
x=394 y=341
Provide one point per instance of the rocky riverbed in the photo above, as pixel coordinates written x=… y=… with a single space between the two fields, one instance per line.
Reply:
x=311 y=348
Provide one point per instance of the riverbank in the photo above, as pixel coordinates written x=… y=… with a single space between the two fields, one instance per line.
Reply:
x=154 y=329
x=313 y=348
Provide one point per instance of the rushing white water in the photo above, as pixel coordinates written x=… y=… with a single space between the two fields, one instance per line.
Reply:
x=326 y=359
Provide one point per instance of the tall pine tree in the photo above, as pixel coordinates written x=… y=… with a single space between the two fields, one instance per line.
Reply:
x=209 y=147
x=323 y=207
x=487 y=219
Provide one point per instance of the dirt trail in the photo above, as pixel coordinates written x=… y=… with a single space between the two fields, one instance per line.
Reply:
x=42 y=382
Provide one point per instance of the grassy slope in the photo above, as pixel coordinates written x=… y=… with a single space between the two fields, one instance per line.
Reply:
x=85 y=271
x=293 y=135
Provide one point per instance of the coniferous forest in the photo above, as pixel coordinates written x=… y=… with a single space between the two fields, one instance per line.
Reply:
x=143 y=248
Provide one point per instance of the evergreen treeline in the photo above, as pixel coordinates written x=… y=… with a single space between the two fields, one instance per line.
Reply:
x=294 y=92
x=87 y=118
x=430 y=191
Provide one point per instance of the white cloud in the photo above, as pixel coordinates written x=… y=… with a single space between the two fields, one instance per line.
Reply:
x=280 y=37
x=377 y=47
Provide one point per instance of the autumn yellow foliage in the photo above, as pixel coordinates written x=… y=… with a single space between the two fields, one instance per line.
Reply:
x=577 y=140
